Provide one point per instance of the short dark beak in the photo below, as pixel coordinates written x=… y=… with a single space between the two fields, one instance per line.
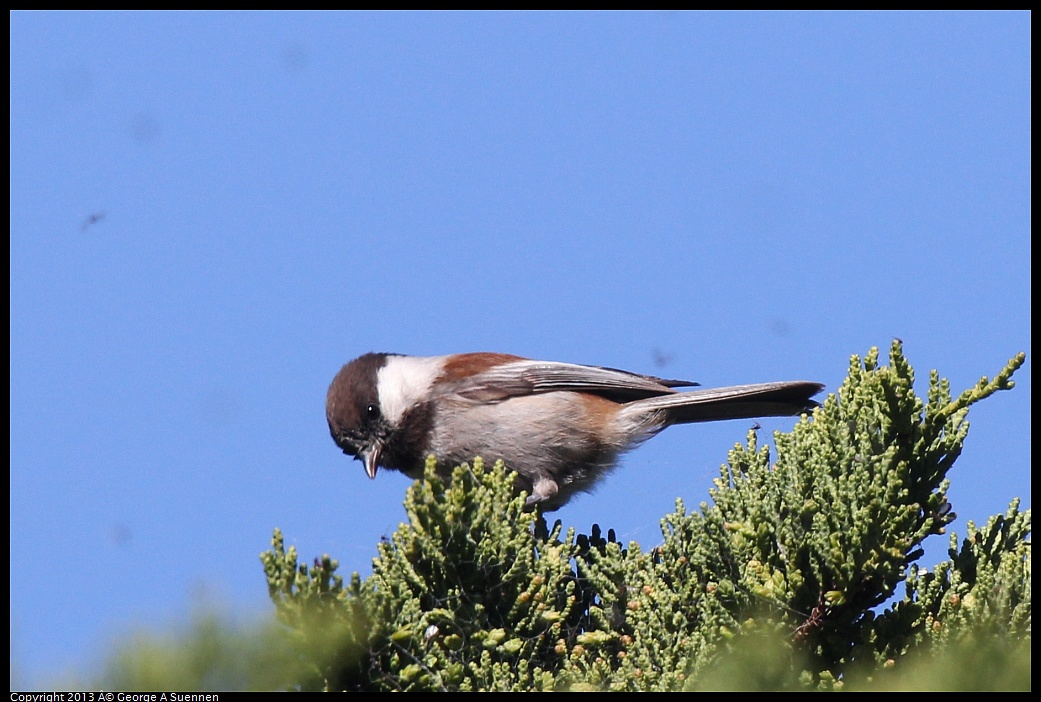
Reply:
x=371 y=459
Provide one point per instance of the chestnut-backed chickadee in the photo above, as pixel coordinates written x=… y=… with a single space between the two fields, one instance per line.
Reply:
x=560 y=426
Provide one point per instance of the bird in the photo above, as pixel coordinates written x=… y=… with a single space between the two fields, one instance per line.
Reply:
x=560 y=426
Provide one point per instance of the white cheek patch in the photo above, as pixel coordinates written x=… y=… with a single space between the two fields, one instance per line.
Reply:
x=403 y=381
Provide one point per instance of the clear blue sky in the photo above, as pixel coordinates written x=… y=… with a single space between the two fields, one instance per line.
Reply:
x=211 y=213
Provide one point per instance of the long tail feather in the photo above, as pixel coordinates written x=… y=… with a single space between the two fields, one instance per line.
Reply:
x=781 y=399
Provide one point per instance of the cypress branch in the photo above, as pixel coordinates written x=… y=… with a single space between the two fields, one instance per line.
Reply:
x=778 y=583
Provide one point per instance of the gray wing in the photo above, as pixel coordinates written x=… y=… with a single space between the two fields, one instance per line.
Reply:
x=526 y=377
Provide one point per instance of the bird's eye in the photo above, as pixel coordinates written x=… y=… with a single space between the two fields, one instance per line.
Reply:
x=372 y=412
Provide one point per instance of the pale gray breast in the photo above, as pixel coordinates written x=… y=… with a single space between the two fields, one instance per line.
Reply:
x=536 y=435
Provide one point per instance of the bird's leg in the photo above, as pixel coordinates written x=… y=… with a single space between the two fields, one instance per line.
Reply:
x=542 y=490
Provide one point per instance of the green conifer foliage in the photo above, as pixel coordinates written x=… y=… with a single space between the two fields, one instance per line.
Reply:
x=780 y=583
